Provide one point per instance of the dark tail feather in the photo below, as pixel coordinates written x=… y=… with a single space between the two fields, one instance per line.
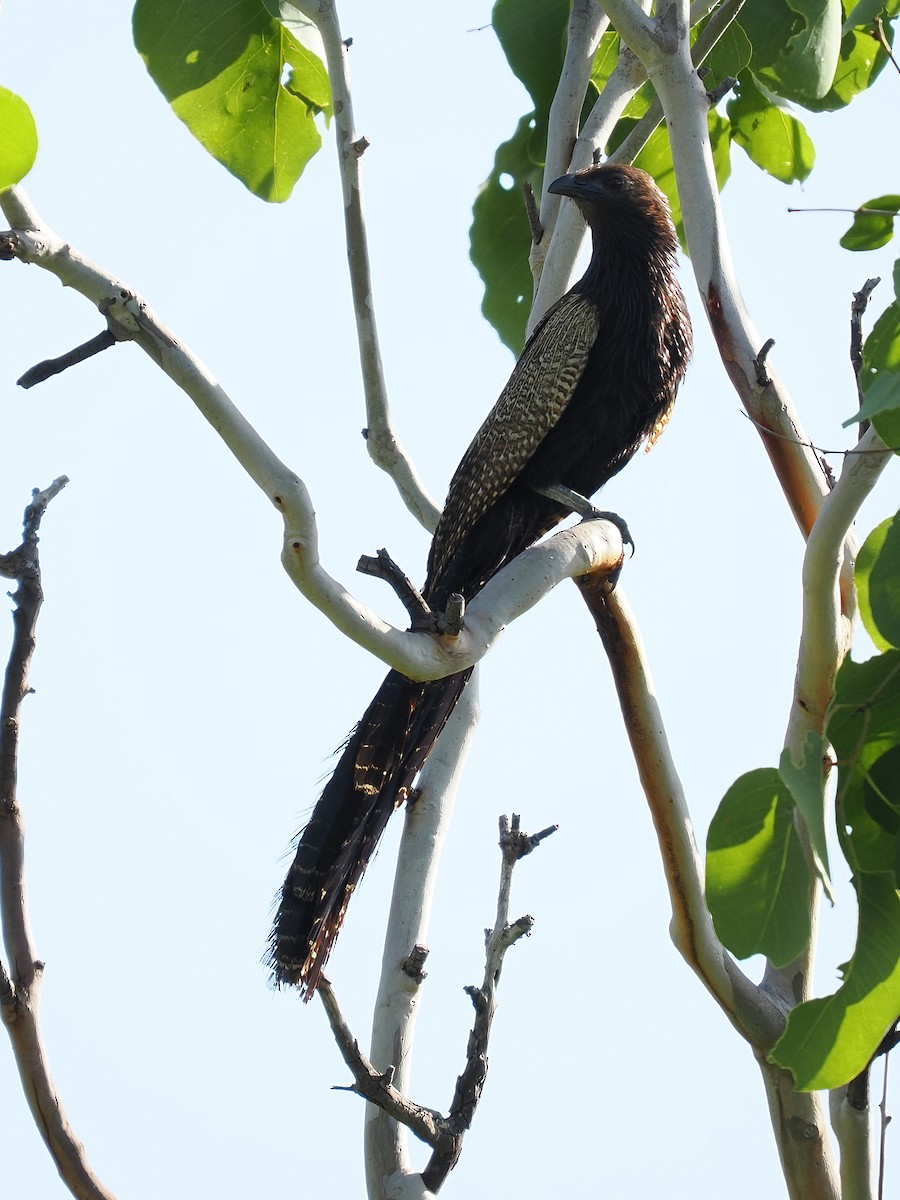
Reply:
x=373 y=776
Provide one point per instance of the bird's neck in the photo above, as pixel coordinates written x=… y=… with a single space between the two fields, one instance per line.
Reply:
x=617 y=258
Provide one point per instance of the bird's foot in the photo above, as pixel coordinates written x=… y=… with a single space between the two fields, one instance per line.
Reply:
x=579 y=504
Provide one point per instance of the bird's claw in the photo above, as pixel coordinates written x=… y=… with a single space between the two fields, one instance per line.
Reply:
x=614 y=518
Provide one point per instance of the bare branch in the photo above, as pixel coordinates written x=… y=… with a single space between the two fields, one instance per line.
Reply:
x=374 y=1085
x=20 y=984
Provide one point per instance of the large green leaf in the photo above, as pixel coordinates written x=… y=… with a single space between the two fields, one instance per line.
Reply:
x=533 y=36
x=757 y=878
x=18 y=138
x=862 y=56
x=242 y=83
x=830 y=1040
x=796 y=45
x=772 y=136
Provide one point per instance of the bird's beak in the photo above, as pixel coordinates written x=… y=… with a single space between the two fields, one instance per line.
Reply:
x=568 y=185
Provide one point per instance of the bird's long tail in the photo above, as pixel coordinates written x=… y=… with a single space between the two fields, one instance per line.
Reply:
x=373 y=776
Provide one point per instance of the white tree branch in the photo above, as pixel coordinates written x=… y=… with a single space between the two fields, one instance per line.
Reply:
x=853 y=1129
x=382 y=442
x=389 y=1172
x=590 y=546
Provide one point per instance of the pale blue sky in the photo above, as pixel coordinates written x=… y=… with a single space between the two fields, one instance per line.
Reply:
x=187 y=699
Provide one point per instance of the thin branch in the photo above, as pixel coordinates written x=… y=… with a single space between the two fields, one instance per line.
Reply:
x=382 y=442
x=377 y=1086
x=20 y=984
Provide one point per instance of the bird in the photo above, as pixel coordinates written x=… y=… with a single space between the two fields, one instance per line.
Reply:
x=596 y=379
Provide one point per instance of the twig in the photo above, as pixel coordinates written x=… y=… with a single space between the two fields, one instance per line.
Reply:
x=382 y=566
x=20 y=983
x=377 y=1086
x=53 y=366
x=531 y=212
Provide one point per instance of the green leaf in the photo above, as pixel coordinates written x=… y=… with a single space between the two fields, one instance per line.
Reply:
x=771 y=135
x=865 y=561
x=730 y=55
x=533 y=36
x=500 y=237
x=862 y=56
x=881 y=351
x=829 y=1041
x=873 y=225
x=878 y=580
x=18 y=139
x=882 y=395
x=757 y=879
x=807 y=787
x=796 y=45
x=881 y=354
x=863 y=725
x=222 y=69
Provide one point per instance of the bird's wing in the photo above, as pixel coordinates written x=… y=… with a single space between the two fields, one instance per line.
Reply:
x=540 y=387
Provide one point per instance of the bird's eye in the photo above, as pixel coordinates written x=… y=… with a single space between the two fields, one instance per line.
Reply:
x=618 y=183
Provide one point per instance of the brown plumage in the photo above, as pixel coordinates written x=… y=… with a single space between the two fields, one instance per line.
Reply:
x=596 y=378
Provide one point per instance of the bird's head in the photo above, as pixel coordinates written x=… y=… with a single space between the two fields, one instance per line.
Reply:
x=611 y=193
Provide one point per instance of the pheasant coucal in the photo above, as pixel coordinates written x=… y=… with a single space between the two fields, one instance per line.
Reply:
x=596 y=378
